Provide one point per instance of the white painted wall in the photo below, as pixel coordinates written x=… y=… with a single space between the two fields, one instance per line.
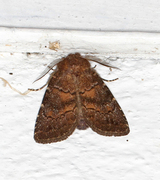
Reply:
x=85 y=154
x=115 y=15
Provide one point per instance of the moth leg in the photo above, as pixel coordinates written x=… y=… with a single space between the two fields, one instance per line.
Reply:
x=110 y=80
x=38 y=88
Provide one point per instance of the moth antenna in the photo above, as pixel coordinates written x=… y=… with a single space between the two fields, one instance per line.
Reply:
x=100 y=61
x=106 y=79
x=48 y=68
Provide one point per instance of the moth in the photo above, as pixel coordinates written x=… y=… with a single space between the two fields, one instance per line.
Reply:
x=77 y=97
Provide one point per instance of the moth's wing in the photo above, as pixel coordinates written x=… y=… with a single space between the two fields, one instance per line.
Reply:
x=56 y=119
x=101 y=110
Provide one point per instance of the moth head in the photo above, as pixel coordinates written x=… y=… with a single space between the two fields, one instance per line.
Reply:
x=74 y=63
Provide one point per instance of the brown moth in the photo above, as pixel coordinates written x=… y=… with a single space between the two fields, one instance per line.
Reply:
x=76 y=97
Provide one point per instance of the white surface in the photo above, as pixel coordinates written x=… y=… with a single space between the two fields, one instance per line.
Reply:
x=115 y=44
x=115 y=15
x=85 y=154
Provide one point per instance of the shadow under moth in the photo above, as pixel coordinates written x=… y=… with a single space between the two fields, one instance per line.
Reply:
x=76 y=97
